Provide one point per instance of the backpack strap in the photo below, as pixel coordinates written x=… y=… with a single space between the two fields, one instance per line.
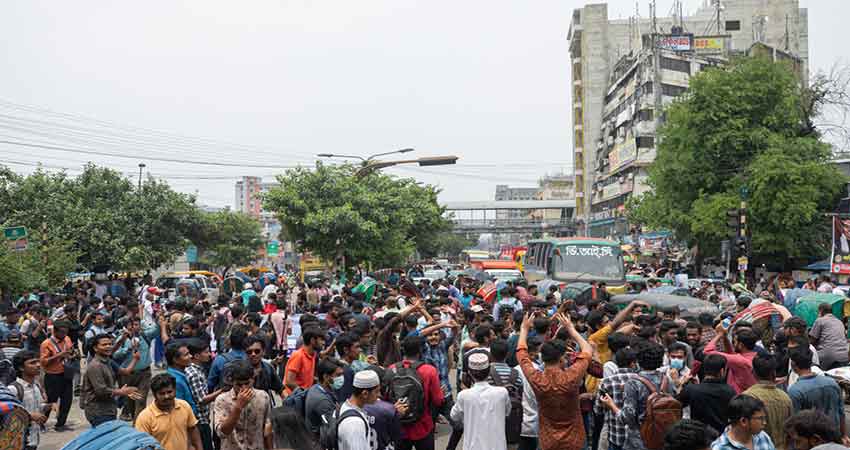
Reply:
x=649 y=385
x=349 y=413
x=20 y=390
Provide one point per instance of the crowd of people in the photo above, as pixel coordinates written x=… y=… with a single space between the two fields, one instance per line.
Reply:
x=328 y=366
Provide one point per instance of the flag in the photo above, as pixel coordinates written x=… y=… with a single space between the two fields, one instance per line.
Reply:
x=487 y=291
x=408 y=289
x=367 y=287
x=753 y=313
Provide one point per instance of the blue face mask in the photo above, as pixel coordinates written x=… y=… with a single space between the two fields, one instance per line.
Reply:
x=338 y=382
x=677 y=363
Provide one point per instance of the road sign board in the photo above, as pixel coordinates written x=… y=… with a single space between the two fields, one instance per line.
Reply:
x=15 y=233
x=743 y=262
x=273 y=248
x=18 y=245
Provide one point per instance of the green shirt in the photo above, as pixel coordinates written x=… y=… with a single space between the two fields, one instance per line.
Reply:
x=777 y=405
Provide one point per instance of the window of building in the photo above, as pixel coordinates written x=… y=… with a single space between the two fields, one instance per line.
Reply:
x=677 y=65
x=733 y=25
x=672 y=91
x=644 y=115
x=645 y=141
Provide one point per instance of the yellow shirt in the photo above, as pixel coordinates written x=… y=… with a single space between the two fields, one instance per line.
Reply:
x=599 y=339
x=170 y=428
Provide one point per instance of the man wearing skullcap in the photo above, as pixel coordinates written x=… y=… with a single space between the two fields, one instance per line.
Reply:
x=354 y=432
x=482 y=408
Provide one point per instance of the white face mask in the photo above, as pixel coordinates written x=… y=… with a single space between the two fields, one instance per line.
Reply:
x=338 y=382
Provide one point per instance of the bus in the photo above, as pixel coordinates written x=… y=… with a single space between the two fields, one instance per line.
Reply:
x=471 y=254
x=573 y=259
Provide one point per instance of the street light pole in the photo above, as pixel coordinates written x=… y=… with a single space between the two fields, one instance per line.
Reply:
x=366 y=160
x=423 y=162
x=141 y=166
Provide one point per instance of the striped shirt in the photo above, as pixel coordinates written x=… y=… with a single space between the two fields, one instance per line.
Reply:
x=198 y=385
x=615 y=386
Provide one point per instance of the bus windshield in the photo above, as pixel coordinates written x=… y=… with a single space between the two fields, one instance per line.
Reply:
x=588 y=262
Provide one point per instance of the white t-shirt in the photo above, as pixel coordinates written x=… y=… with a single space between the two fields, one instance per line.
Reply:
x=270 y=289
x=354 y=434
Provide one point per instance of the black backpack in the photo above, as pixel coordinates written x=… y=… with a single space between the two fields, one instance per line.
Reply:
x=404 y=383
x=329 y=428
x=513 y=422
x=297 y=401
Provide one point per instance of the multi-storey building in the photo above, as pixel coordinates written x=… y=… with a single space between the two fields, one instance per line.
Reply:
x=248 y=201
x=625 y=71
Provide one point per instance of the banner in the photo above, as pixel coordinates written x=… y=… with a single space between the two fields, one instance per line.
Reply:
x=675 y=43
x=709 y=44
x=840 y=259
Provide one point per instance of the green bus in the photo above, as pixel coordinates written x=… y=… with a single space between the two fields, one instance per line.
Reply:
x=575 y=259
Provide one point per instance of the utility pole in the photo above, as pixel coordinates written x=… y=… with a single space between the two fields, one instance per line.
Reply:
x=742 y=243
x=141 y=166
x=656 y=68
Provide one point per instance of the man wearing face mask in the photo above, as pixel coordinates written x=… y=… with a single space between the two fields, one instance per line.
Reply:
x=320 y=398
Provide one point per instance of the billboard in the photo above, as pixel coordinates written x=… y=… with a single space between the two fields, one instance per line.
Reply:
x=840 y=259
x=681 y=43
x=714 y=44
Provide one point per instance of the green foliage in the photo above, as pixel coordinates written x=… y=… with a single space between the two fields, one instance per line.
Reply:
x=107 y=220
x=228 y=238
x=377 y=218
x=43 y=265
x=445 y=243
x=746 y=126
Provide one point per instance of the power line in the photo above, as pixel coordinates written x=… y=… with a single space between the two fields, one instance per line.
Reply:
x=137 y=157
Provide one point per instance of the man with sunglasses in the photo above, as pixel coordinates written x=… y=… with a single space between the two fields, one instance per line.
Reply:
x=265 y=376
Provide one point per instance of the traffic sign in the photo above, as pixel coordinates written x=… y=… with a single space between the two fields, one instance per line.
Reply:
x=18 y=245
x=273 y=248
x=15 y=233
x=743 y=262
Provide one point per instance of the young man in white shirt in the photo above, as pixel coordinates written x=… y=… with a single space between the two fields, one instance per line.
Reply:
x=26 y=389
x=352 y=432
x=482 y=408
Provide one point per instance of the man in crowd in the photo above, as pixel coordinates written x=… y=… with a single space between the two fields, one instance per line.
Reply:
x=747 y=417
x=168 y=419
x=196 y=376
x=739 y=356
x=830 y=338
x=709 y=400
x=28 y=391
x=99 y=388
x=777 y=404
x=242 y=414
x=353 y=429
x=420 y=434
x=482 y=409
x=301 y=366
x=614 y=386
x=55 y=353
x=813 y=391
x=135 y=339
x=557 y=388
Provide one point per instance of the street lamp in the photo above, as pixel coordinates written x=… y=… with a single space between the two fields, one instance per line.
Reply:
x=365 y=160
x=141 y=166
x=423 y=162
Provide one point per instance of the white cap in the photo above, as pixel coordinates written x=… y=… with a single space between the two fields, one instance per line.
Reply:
x=477 y=309
x=366 y=379
x=479 y=361
x=248 y=286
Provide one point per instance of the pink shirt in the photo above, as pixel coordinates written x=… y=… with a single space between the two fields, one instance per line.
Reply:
x=739 y=367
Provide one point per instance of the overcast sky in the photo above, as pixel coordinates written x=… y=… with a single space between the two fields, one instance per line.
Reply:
x=272 y=83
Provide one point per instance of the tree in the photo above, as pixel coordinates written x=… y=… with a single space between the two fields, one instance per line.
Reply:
x=107 y=219
x=43 y=265
x=743 y=127
x=445 y=243
x=226 y=238
x=376 y=218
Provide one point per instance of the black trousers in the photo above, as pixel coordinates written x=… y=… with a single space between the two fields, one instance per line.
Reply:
x=206 y=435
x=426 y=443
x=61 y=389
